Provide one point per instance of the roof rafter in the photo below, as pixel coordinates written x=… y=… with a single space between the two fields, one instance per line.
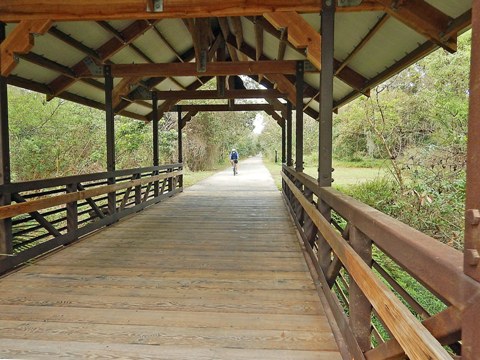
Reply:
x=225 y=28
x=347 y=74
x=106 y=51
x=424 y=19
x=299 y=33
x=20 y=41
x=67 y=39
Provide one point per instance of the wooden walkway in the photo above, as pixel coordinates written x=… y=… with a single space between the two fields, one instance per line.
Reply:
x=214 y=273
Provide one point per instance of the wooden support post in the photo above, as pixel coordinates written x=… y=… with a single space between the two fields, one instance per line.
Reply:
x=299 y=117
x=72 y=212
x=289 y=134
x=471 y=314
x=156 y=158
x=326 y=96
x=325 y=121
x=284 y=147
x=180 y=145
x=6 y=246
x=110 y=127
x=221 y=80
x=360 y=307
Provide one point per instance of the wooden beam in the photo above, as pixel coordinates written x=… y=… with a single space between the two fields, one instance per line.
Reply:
x=20 y=41
x=59 y=10
x=6 y=244
x=212 y=69
x=237 y=30
x=347 y=74
x=67 y=39
x=417 y=342
x=299 y=33
x=225 y=28
x=258 y=40
x=424 y=19
x=47 y=64
x=213 y=94
x=107 y=50
x=48 y=202
x=123 y=89
x=225 y=107
x=201 y=32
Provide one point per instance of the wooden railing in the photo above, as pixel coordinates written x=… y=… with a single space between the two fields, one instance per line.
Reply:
x=350 y=245
x=46 y=214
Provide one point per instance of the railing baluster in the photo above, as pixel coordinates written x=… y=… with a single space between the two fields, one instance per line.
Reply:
x=138 y=190
x=72 y=213
x=360 y=307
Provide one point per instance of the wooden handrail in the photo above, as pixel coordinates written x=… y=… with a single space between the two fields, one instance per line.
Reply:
x=62 y=181
x=415 y=339
x=10 y=211
x=419 y=254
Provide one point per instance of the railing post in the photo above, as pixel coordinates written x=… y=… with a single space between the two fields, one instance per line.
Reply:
x=289 y=134
x=471 y=314
x=138 y=190
x=6 y=246
x=284 y=148
x=360 y=307
x=299 y=117
x=325 y=121
x=309 y=227
x=180 y=144
x=72 y=213
x=156 y=158
x=110 y=127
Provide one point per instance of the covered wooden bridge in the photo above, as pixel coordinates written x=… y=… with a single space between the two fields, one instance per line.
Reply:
x=213 y=273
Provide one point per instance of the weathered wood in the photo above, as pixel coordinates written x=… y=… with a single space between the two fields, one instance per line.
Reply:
x=110 y=135
x=6 y=246
x=43 y=203
x=20 y=41
x=37 y=216
x=424 y=19
x=299 y=33
x=360 y=307
x=471 y=346
x=190 y=274
x=417 y=342
x=213 y=94
x=221 y=107
x=212 y=69
x=16 y=10
x=288 y=122
x=299 y=79
x=410 y=248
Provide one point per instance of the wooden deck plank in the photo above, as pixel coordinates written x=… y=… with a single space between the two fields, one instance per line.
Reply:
x=214 y=273
x=47 y=350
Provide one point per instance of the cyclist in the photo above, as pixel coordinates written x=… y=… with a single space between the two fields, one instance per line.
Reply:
x=234 y=160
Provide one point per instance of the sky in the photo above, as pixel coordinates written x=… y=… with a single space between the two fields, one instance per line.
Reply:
x=258 y=123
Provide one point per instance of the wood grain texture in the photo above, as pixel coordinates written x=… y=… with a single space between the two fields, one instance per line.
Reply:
x=214 y=273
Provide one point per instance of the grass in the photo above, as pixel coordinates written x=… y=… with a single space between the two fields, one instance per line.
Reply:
x=192 y=177
x=345 y=174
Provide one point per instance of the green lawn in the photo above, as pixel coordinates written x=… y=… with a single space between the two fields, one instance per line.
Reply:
x=344 y=174
x=191 y=178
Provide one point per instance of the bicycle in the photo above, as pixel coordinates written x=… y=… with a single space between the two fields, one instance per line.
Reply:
x=234 y=167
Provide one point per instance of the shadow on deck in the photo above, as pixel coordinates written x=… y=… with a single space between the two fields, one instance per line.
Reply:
x=214 y=273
